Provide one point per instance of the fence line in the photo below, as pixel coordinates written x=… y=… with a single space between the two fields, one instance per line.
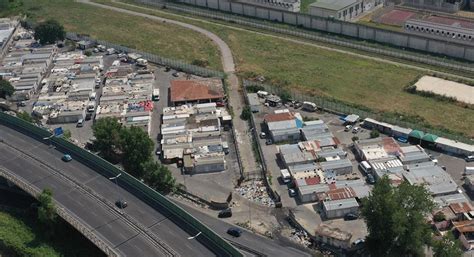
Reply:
x=175 y=64
x=306 y=34
x=340 y=108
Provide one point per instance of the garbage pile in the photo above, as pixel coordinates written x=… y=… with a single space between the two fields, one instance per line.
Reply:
x=300 y=236
x=257 y=192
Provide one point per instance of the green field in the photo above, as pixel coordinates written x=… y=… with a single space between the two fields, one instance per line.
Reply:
x=20 y=235
x=167 y=40
x=375 y=85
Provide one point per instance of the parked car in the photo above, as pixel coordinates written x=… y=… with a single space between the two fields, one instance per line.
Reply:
x=21 y=104
x=80 y=123
x=269 y=141
x=297 y=105
x=122 y=204
x=292 y=192
x=225 y=213
x=220 y=104
x=355 y=130
x=175 y=74
x=370 y=179
x=167 y=69
x=158 y=151
x=235 y=232
x=66 y=158
x=263 y=135
x=469 y=158
x=348 y=128
x=351 y=216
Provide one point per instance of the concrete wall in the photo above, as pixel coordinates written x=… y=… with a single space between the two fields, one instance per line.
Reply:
x=400 y=39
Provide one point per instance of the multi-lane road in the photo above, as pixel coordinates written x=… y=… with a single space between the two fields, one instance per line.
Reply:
x=38 y=164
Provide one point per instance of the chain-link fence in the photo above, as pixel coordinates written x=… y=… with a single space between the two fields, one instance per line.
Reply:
x=175 y=64
x=341 y=108
x=312 y=35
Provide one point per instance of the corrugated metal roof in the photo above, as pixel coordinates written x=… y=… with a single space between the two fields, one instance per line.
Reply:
x=340 y=204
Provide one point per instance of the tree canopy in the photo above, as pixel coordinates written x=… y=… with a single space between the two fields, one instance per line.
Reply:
x=133 y=147
x=447 y=247
x=107 y=137
x=49 y=32
x=46 y=209
x=136 y=147
x=6 y=89
x=395 y=219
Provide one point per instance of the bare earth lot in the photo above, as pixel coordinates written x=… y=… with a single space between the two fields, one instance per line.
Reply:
x=462 y=92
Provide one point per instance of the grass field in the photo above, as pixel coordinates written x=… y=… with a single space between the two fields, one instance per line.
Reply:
x=20 y=235
x=375 y=85
x=167 y=40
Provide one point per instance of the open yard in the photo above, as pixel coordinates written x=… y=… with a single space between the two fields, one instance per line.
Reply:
x=375 y=85
x=166 y=40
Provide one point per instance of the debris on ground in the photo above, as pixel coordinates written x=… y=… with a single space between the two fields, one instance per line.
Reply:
x=255 y=191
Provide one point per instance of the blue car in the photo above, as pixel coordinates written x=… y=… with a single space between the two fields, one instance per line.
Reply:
x=235 y=232
x=66 y=158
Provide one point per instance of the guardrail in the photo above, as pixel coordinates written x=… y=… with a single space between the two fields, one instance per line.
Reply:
x=62 y=212
x=131 y=184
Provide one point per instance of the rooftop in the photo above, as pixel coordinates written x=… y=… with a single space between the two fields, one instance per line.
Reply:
x=337 y=194
x=340 y=204
x=192 y=90
x=334 y=5
x=465 y=226
x=463 y=207
x=437 y=181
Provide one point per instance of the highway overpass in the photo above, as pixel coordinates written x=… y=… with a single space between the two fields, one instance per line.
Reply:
x=85 y=198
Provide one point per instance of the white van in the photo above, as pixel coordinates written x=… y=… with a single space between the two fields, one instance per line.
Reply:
x=365 y=167
x=80 y=123
x=92 y=96
x=262 y=94
x=469 y=170
x=225 y=147
x=285 y=176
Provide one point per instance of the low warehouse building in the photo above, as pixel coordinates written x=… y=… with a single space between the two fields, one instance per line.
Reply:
x=254 y=102
x=339 y=208
x=338 y=9
x=336 y=167
x=196 y=91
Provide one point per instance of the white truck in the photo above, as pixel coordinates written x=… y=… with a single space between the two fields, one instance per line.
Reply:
x=309 y=106
x=142 y=62
x=285 y=176
x=156 y=94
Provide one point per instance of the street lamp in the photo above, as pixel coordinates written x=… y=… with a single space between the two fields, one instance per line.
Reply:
x=116 y=184
x=192 y=237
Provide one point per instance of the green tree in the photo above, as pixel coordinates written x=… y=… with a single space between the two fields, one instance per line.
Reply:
x=285 y=96
x=136 y=147
x=6 y=89
x=395 y=219
x=107 y=137
x=159 y=177
x=49 y=32
x=246 y=113
x=355 y=139
x=25 y=116
x=67 y=134
x=374 y=133
x=46 y=209
x=447 y=247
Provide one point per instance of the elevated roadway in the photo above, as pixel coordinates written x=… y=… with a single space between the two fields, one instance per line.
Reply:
x=139 y=230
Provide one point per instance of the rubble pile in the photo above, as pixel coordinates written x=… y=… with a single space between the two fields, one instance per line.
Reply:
x=256 y=192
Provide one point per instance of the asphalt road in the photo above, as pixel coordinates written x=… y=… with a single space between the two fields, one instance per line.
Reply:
x=106 y=223
x=248 y=239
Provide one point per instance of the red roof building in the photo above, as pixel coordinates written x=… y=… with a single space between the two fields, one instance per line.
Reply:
x=196 y=91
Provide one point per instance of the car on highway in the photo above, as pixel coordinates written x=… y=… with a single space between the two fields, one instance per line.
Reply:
x=469 y=158
x=235 y=232
x=225 y=213
x=351 y=216
x=122 y=204
x=66 y=158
